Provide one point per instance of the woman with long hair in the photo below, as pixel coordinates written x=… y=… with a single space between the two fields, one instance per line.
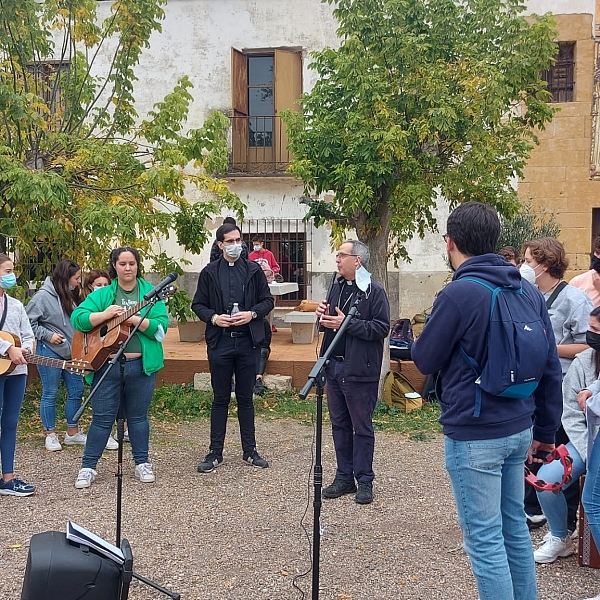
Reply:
x=13 y=319
x=49 y=313
x=144 y=357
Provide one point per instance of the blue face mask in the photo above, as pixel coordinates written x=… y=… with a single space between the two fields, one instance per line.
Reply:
x=363 y=279
x=234 y=251
x=257 y=247
x=8 y=281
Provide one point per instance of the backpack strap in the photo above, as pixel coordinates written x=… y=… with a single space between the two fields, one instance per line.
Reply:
x=470 y=360
x=557 y=290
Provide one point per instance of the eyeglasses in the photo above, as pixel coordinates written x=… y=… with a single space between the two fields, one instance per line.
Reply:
x=342 y=255
x=229 y=242
x=445 y=236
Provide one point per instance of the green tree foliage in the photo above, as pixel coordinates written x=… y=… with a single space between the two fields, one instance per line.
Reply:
x=80 y=170
x=525 y=227
x=422 y=97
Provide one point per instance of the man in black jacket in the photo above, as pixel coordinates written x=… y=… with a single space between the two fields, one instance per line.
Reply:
x=232 y=298
x=354 y=369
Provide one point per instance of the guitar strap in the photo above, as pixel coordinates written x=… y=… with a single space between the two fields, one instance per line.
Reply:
x=4 y=312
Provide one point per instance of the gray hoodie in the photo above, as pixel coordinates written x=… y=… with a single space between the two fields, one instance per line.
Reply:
x=47 y=316
x=581 y=374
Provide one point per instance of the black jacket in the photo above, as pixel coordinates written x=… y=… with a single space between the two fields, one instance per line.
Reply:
x=365 y=334
x=257 y=297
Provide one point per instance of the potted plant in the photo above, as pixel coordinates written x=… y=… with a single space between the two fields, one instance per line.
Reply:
x=191 y=329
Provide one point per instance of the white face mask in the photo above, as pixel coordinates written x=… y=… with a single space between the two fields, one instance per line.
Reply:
x=233 y=251
x=527 y=273
x=363 y=279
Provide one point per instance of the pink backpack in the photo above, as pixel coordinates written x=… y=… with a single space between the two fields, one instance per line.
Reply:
x=264 y=265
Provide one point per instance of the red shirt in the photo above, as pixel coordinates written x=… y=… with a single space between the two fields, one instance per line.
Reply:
x=268 y=256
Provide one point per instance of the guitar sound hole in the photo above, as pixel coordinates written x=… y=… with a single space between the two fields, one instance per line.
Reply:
x=103 y=330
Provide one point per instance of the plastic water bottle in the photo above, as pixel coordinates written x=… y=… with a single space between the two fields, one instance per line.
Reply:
x=235 y=309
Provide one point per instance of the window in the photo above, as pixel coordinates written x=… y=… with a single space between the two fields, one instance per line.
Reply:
x=264 y=83
x=261 y=106
x=290 y=242
x=561 y=76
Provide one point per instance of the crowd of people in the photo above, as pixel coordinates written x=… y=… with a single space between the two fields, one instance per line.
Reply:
x=487 y=448
x=489 y=435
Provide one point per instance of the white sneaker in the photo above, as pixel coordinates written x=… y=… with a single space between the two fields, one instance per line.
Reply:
x=145 y=473
x=126 y=435
x=552 y=549
x=594 y=598
x=78 y=439
x=574 y=535
x=111 y=444
x=52 y=443
x=85 y=478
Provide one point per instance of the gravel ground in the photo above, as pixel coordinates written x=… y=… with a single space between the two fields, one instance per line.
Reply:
x=236 y=533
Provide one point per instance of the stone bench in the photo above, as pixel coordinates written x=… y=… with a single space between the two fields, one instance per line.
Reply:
x=274 y=383
x=303 y=326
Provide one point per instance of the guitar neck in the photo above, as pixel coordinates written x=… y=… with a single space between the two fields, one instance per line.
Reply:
x=128 y=313
x=46 y=361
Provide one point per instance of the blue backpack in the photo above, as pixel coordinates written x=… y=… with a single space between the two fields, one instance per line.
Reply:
x=517 y=346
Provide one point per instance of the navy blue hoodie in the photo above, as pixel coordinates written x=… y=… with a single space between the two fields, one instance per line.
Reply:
x=460 y=317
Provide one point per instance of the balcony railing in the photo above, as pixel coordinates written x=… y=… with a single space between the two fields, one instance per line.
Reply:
x=258 y=146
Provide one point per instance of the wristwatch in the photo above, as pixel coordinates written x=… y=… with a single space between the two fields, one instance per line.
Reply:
x=253 y=313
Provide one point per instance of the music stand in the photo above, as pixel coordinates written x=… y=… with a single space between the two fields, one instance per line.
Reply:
x=317 y=378
x=119 y=357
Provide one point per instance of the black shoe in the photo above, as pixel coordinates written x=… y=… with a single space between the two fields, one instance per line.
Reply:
x=256 y=460
x=365 y=492
x=210 y=463
x=535 y=521
x=259 y=387
x=338 y=488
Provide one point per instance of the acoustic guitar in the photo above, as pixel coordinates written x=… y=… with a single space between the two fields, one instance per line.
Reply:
x=97 y=345
x=80 y=367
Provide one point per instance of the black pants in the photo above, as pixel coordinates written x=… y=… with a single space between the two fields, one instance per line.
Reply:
x=232 y=355
x=532 y=506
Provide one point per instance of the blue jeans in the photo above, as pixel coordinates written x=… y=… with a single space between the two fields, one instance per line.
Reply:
x=51 y=377
x=12 y=390
x=590 y=496
x=555 y=505
x=351 y=405
x=488 y=485
x=139 y=390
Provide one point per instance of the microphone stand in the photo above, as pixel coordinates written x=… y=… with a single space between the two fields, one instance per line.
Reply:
x=119 y=357
x=317 y=378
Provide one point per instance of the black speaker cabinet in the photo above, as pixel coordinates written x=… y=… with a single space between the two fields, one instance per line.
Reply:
x=61 y=570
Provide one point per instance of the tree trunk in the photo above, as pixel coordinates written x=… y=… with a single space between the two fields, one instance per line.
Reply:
x=377 y=243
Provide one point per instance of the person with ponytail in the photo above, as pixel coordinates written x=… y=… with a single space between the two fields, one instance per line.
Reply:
x=50 y=315
x=13 y=319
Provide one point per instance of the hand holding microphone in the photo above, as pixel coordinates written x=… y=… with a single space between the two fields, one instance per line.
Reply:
x=322 y=309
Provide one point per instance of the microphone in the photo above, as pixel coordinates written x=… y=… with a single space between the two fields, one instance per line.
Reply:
x=155 y=291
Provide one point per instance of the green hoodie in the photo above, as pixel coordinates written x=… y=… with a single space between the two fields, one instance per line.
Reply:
x=150 y=339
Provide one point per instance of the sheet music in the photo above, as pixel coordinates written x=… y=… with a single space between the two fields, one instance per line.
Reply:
x=81 y=535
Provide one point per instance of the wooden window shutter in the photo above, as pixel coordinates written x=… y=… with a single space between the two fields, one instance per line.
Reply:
x=239 y=103
x=288 y=89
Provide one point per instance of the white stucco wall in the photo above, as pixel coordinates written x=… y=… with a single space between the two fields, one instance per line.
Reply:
x=561 y=7
x=196 y=40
